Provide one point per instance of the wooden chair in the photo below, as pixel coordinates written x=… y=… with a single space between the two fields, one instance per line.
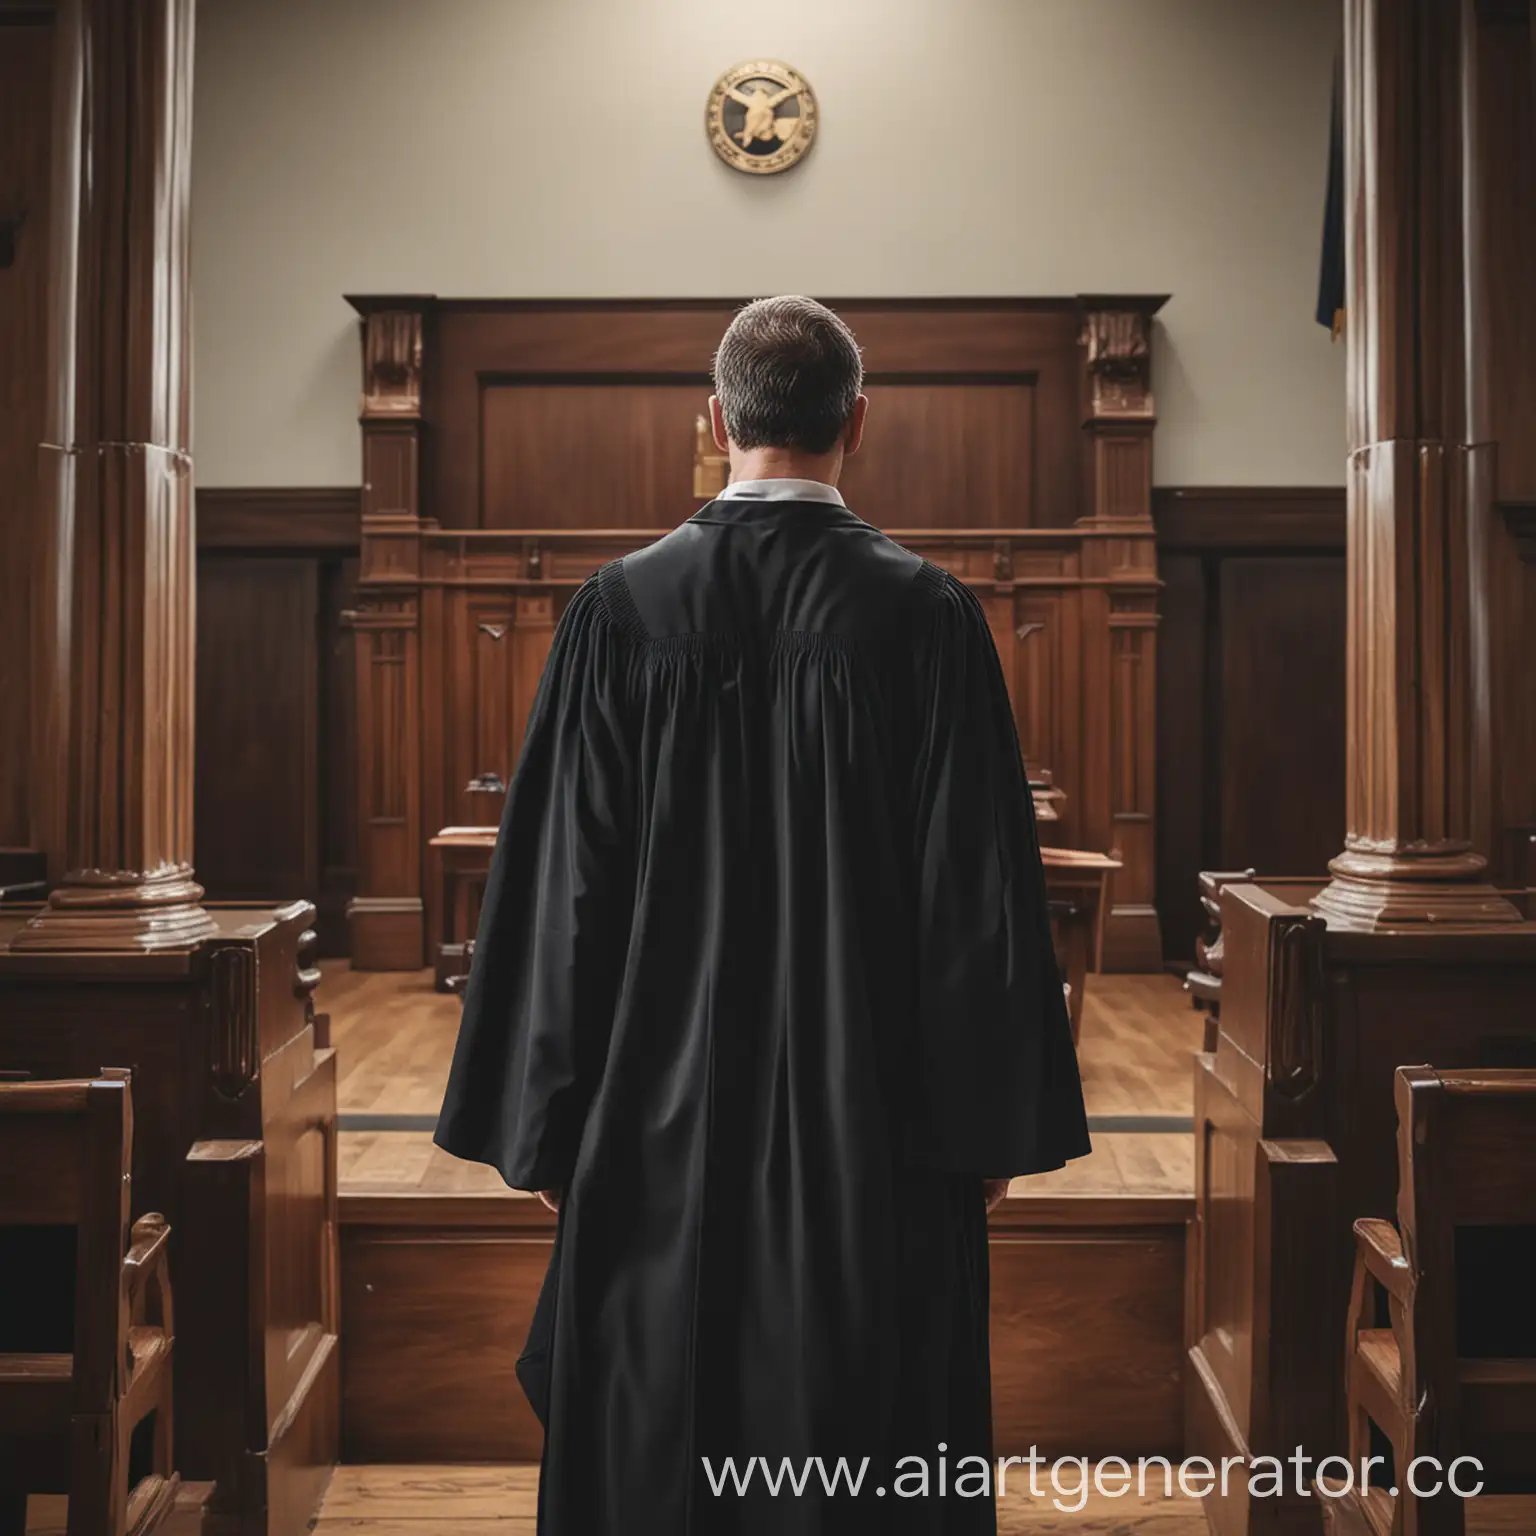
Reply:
x=1443 y=1381
x=68 y=1416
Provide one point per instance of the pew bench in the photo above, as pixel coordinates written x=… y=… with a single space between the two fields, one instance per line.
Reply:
x=88 y=1333
x=1453 y=1373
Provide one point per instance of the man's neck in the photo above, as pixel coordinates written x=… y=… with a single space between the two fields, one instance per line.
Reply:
x=777 y=464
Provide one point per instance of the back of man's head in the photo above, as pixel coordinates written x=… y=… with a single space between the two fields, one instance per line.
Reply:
x=787 y=373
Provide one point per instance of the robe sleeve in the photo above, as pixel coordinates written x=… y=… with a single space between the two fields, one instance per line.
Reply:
x=998 y=1086
x=554 y=922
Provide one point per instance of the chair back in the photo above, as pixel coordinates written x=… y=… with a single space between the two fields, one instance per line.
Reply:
x=1467 y=1214
x=65 y=1160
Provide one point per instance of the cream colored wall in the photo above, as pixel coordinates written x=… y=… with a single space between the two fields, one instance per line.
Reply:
x=556 y=148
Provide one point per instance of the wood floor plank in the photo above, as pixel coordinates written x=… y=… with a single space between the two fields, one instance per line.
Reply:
x=431 y=1501
x=432 y=1492
x=1139 y=1035
x=444 y=1501
x=1122 y=1164
x=46 y=1514
x=454 y=1525
x=394 y=1038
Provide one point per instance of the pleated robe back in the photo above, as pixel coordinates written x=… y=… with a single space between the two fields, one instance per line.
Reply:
x=764 y=983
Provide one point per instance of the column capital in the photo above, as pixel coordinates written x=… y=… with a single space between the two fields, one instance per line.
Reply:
x=392 y=348
x=1117 y=348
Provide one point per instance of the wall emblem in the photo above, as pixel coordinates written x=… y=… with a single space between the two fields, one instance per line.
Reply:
x=761 y=117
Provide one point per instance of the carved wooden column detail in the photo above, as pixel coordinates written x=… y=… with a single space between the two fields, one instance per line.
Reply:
x=1418 y=604
x=387 y=914
x=114 y=724
x=1120 y=617
x=1120 y=413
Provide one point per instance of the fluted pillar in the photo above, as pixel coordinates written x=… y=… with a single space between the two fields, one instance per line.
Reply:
x=113 y=726
x=1417 y=489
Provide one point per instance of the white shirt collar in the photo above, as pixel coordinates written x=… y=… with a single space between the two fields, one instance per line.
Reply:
x=781 y=490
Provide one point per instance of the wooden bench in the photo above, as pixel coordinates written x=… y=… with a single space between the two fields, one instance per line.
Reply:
x=88 y=1329
x=1454 y=1374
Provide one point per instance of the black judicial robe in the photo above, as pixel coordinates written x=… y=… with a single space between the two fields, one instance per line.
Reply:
x=764 y=983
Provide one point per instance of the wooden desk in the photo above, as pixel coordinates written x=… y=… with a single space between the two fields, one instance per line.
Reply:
x=461 y=861
x=1049 y=801
x=1076 y=885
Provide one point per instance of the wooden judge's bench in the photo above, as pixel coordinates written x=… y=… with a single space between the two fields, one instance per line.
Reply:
x=512 y=448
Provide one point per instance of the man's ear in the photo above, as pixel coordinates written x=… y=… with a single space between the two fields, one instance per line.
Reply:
x=717 y=424
x=853 y=433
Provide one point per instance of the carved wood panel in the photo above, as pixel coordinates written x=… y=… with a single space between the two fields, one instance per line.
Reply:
x=301 y=1282
x=389 y=807
x=1223 y=1322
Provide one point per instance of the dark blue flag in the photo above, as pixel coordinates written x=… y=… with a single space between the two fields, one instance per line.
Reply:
x=1330 y=281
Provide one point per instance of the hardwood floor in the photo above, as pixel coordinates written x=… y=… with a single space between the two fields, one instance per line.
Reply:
x=445 y=1501
x=1138 y=1037
x=394 y=1037
x=437 y=1501
x=464 y=1501
x=1128 y=1164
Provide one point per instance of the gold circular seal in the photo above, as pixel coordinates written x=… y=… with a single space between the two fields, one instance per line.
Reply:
x=761 y=117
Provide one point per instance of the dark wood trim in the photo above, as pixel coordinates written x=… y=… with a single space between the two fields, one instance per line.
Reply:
x=1187 y=517
x=1126 y=1215
x=1228 y=554
x=314 y=519
x=27 y=13
x=426 y=303
x=1267 y=517
x=1520 y=519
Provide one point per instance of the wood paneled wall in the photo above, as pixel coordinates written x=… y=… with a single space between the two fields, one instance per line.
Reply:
x=276 y=719
x=1249 y=725
x=511 y=447
x=1250 y=728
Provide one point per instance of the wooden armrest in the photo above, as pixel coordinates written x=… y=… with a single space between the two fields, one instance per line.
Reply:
x=1380 y=1249
x=146 y=1274
x=150 y=1235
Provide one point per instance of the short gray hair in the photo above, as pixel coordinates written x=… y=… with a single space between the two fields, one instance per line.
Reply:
x=787 y=373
